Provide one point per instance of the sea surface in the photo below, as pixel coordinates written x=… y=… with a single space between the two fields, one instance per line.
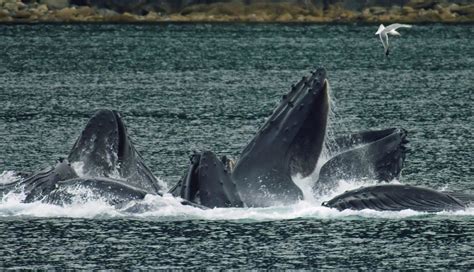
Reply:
x=186 y=87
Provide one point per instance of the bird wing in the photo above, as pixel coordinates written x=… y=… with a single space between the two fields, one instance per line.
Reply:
x=381 y=28
x=394 y=27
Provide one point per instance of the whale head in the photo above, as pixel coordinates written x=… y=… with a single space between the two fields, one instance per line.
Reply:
x=207 y=182
x=289 y=143
x=104 y=149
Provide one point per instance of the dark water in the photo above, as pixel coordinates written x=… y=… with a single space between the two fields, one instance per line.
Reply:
x=193 y=87
x=342 y=243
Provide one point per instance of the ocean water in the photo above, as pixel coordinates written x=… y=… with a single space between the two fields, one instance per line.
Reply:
x=185 y=87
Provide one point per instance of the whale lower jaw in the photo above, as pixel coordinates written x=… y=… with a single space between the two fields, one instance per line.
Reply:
x=394 y=197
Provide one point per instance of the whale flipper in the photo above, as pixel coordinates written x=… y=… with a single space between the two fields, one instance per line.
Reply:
x=289 y=143
x=105 y=150
x=394 y=197
x=208 y=183
x=375 y=155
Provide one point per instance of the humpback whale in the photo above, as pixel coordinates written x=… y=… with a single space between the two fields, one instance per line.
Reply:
x=208 y=182
x=105 y=150
x=397 y=197
x=375 y=155
x=112 y=168
x=289 y=143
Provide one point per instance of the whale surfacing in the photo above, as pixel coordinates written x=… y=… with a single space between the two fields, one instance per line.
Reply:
x=289 y=143
x=105 y=150
x=208 y=182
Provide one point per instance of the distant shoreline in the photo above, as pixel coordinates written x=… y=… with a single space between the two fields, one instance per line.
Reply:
x=17 y=12
x=214 y=23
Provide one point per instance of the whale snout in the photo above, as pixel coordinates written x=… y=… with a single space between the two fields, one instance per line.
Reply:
x=310 y=128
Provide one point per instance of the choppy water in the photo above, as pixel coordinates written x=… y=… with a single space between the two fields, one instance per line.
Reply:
x=193 y=87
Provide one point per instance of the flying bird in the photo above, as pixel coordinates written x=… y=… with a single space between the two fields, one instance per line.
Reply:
x=384 y=31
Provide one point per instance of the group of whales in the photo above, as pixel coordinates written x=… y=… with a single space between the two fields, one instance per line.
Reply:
x=290 y=143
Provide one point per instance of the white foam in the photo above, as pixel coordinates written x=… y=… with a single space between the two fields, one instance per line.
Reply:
x=170 y=208
x=8 y=177
x=78 y=168
x=163 y=185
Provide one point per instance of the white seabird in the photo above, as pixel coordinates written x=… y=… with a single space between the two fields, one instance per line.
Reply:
x=384 y=31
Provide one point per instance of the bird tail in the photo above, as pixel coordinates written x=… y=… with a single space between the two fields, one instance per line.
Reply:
x=381 y=28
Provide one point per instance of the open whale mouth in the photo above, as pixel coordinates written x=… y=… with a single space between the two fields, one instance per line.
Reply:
x=289 y=143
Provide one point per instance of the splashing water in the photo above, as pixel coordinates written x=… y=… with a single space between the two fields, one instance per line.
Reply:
x=170 y=208
x=78 y=168
x=8 y=177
